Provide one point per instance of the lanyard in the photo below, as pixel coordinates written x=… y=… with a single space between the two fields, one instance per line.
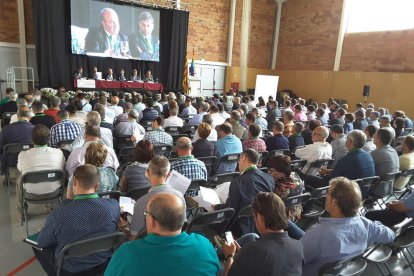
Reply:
x=187 y=157
x=249 y=169
x=80 y=197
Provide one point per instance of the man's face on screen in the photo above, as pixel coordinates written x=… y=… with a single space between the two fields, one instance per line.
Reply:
x=146 y=27
x=110 y=22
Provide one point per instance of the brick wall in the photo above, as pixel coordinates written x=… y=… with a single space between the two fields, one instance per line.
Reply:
x=309 y=34
x=28 y=22
x=9 y=31
x=379 y=52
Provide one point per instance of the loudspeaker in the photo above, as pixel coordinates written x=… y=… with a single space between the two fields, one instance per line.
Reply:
x=365 y=92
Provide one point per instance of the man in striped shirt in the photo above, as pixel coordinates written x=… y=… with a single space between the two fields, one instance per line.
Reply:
x=158 y=136
x=65 y=130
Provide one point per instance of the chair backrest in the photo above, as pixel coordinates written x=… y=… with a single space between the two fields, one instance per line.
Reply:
x=6 y=117
x=90 y=246
x=187 y=128
x=173 y=130
x=273 y=153
x=110 y=194
x=122 y=142
x=16 y=148
x=136 y=193
x=296 y=200
x=209 y=218
x=43 y=176
x=318 y=193
x=210 y=162
x=62 y=143
x=319 y=163
x=177 y=136
x=194 y=187
x=126 y=154
x=298 y=165
x=347 y=267
x=385 y=186
x=221 y=178
x=367 y=182
x=162 y=150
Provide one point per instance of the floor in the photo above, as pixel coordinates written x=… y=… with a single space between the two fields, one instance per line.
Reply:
x=16 y=257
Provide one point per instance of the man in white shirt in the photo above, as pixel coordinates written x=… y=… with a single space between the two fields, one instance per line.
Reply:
x=77 y=156
x=41 y=157
x=216 y=117
x=320 y=149
x=114 y=106
x=213 y=134
x=173 y=120
x=189 y=109
x=130 y=127
x=109 y=113
x=369 y=144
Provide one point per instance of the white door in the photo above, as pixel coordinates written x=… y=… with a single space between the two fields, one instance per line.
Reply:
x=212 y=79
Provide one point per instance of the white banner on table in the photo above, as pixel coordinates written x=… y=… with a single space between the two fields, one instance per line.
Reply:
x=82 y=83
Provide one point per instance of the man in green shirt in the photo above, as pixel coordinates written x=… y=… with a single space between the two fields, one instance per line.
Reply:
x=7 y=98
x=166 y=250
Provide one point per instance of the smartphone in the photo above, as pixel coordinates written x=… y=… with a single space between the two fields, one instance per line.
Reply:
x=229 y=237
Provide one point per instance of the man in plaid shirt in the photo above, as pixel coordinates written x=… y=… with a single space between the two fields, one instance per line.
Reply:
x=65 y=130
x=158 y=136
x=254 y=142
x=187 y=165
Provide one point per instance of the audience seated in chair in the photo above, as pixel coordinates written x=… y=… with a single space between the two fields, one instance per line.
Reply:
x=181 y=253
x=406 y=161
x=213 y=134
x=385 y=123
x=203 y=147
x=360 y=123
x=385 y=157
x=85 y=217
x=202 y=110
x=173 y=120
x=278 y=140
x=307 y=133
x=244 y=188
x=339 y=149
x=296 y=140
x=369 y=143
x=238 y=130
x=227 y=144
x=130 y=127
x=39 y=117
x=96 y=154
x=254 y=142
x=64 y=130
x=275 y=253
x=158 y=136
x=288 y=122
x=344 y=234
x=134 y=175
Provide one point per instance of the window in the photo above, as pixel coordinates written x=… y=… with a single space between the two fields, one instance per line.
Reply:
x=379 y=15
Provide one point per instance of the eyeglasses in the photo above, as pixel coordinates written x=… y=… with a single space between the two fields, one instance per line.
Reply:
x=148 y=213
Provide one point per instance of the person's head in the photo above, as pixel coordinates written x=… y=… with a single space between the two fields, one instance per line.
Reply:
x=287 y=103
x=213 y=109
x=24 y=113
x=146 y=23
x=399 y=123
x=40 y=135
x=349 y=117
x=184 y=146
x=355 y=140
x=250 y=118
x=320 y=112
x=85 y=179
x=134 y=72
x=103 y=100
x=314 y=124
x=298 y=128
x=93 y=118
x=101 y=110
x=235 y=116
x=157 y=122
x=92 y=133
x=37 y=107
x=110 y=72
x=63 y=115
x=165 y=214
x=269 y=212
x=336 y=131
x=382 y=137
x=149 y=102
x=21 y=102
x=340 y=112
x=311 y=109
x=203 y=107
x=148 y=73
x=279 y=166
x=248 y=158
x=359 y=106
x=133 y=115
x=224 y=130
x=374 y=115
x=298 y=108
x=343 y=198
x=289 y=115
x=278 y=127
x=207 y=119
x=110 y=21
x=370 y=131
x=320 y=134
x=143 y=152
x=158 y=170
x=55 y=102
x=96 y=154
x=385 y=121
x=94 y=69
x=359 y=115
x=9 y=90
x=204 y=130
x=254 y=131
x=173 y=108
x=408 y=144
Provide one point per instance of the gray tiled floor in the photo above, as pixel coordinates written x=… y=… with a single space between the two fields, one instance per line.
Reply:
x=13 y=252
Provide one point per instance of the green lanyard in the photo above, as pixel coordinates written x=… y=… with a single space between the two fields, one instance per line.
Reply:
x=45 y=146
x=355 y=149
x=249 y=169
x=80 y=197
x=39 y=115
x=187 y=157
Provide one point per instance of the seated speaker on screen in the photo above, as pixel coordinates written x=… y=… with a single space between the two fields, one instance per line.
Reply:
x=94 y=74
x=106 y=38
x=143 y=43
x=110 y=75
x=121 y=76
x=135 y=76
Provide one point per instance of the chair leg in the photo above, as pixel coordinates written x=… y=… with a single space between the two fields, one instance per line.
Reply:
x=25 y=218
x=379 y=268
x=388 y=268
x=408 y=260
x=8 y=180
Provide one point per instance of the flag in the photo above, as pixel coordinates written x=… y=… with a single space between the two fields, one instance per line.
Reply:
x=192 y=66
x=185 y=76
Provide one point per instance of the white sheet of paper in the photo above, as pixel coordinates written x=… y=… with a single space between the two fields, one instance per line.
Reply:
x=209 y=195
x=126 y=204
x=178 y=181
x=222 y=191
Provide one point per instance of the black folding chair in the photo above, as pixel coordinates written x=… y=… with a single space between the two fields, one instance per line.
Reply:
x=177 y=136
x=383 y=188
x=126 y=154
x=245 y=212
x=366 y=183
x=210 y=162
x=90 y=246
x=5 y=118
x=298 y=165
x=314 y=207
x=221 y=178
x=194 y=187
x=202 y=223
x=348 y=267
x=110 y=194
x=8 y=151
x=274 y=153
x=39 y=178
x=123 y=142
x=407 y=189
x=401 y=244
x=173 y=130
x=264 y=157
x=189 y=129
x=319 y=163
x=229 y=162
x=162 y=150
x=137 y=193
x=297 y=200
x=61 y=144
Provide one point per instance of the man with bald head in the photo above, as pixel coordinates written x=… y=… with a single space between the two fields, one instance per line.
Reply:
x=105 y=38
x=187 y=165
x=166 y=250
x=319 y=149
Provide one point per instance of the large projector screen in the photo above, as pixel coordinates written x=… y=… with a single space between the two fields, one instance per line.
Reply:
x=120 y=31
x=266 y=86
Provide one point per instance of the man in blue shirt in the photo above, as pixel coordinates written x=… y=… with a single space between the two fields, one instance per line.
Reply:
x=87 y=216
x=396 y=212
x=345 y=234
x=149 y=113
x=202 y=110
x=277 y=141
x=63 y=131
x=227 y=144
x=166 y=250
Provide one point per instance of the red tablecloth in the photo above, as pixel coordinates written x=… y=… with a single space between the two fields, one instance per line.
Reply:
x=101 y=84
